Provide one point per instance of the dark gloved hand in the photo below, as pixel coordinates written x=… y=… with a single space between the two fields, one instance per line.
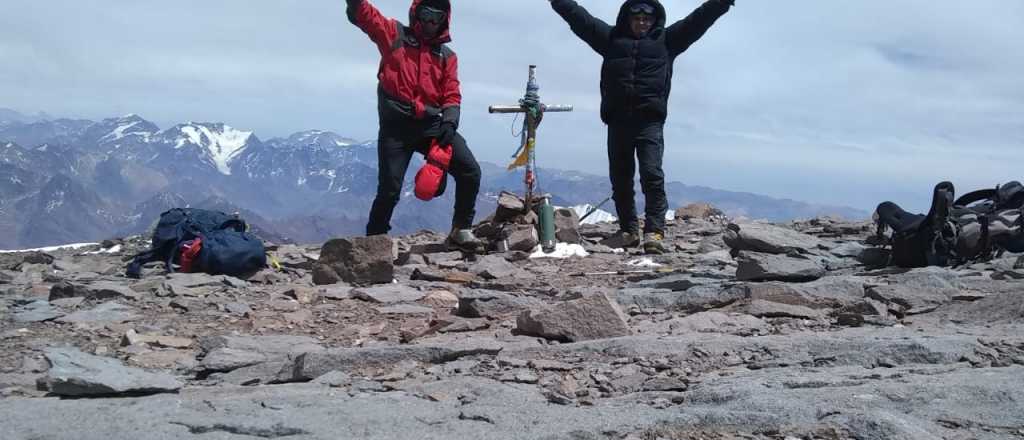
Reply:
x=447 y=134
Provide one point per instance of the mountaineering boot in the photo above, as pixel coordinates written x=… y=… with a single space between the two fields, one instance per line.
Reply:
x=654 y=243
x=622 y=240
x=465 y=241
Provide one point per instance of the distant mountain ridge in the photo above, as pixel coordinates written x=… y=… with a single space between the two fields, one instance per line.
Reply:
x=74 y=180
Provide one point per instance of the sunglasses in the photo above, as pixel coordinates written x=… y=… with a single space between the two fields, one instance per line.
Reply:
x=428 y=14
x=642 y=8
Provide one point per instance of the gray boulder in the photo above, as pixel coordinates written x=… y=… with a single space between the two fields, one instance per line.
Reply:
x=756 y=266
x=356 y=260
x=493 y=304
x=73 y=373
x=592 y=317
x=761 y=237
x=64 y=289
x=509 y=206
x=567 y=225
x=389 y=294
x=522 y=238
x=916 y=292
x=492 y=267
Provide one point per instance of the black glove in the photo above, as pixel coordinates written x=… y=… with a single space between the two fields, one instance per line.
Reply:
x=446 y=134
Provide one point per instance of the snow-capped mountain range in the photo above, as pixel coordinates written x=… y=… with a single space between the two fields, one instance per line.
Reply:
x=72 y=180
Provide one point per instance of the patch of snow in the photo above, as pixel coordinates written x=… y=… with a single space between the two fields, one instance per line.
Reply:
x=52 y=248
x=562 y=250
x=57 y=202
x=112 y=250
x=599 y=216
x=118 y=132
x=643 y=262
x=670 y=215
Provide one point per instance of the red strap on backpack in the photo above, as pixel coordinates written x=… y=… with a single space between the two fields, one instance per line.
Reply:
x=190 y=253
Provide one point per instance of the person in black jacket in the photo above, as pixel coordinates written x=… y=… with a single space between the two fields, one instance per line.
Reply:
x=636 y=78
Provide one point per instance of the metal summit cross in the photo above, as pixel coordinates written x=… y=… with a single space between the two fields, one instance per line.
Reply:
x=534 y=110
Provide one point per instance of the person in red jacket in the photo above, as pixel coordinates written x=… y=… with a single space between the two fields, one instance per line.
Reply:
x=418 y=101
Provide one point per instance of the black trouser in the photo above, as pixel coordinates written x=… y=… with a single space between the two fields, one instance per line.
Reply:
x=396 y=143
x=629 y=141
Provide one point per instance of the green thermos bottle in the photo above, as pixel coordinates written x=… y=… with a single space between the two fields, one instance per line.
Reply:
x=547 y=225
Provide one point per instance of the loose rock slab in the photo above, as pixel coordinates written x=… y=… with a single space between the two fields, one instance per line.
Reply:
x=756 y=266
x=760 y=237
x=390 y=294
x=493 y=304
x=36 y=311
x=359 y=260
x=106 y=312
x=73 y=373
x=592 y=317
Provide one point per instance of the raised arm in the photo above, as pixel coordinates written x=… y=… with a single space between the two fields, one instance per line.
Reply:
x=683 y=33
x=382 y=30
x=591 y=30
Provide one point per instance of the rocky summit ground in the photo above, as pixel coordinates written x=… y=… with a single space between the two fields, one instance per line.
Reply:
x=742 y=331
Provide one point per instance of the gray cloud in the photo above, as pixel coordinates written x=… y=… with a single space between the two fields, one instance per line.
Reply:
x=839 y=102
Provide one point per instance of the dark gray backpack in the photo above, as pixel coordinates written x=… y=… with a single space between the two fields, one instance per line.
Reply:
x=977 y=226
x=990 y=222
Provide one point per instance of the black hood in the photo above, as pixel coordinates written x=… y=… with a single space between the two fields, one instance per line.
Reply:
x=622 y=22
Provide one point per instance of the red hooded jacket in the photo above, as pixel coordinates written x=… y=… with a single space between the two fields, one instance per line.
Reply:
x=418 y=78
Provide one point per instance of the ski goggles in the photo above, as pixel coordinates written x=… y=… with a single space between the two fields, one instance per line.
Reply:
x=427 y=14
x=642 y=8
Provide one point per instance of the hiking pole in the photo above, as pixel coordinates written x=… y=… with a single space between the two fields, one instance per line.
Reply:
x=594 y=209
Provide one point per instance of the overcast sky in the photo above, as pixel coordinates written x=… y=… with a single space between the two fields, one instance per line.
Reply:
x=841 y=102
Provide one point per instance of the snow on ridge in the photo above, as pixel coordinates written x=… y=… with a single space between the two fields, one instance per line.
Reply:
x=50 y=248
x=222 y=144
x=119 y=132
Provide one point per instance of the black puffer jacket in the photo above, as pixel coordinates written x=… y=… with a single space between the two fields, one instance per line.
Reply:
x=636 y=77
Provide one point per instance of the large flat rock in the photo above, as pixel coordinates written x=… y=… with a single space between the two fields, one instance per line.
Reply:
x=106 y=312
x=388 y=294
x=36 y=311
x=771 y=239
x=757 y=266
x=73 y=373
x=480 y=303
x=309 y=366
x=917 y=292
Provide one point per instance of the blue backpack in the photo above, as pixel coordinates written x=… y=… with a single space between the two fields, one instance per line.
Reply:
x=227 y=246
